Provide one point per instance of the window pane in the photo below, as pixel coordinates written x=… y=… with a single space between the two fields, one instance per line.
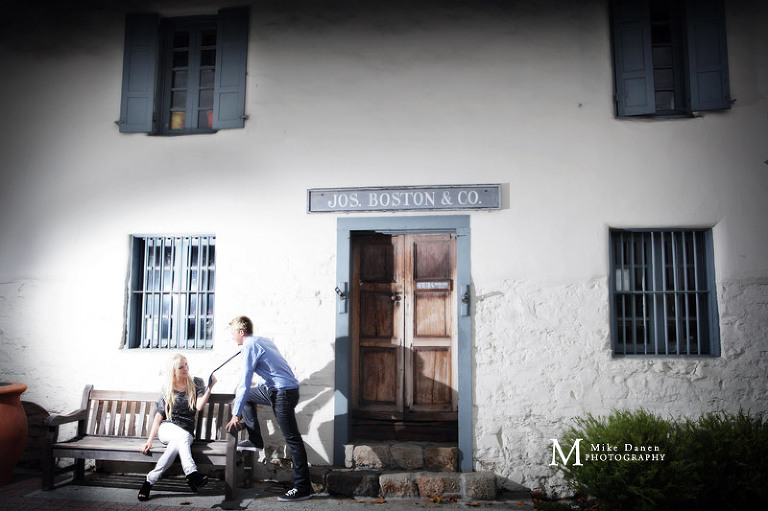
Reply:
x=179 y=79
x=664 y=78
x=179 y=99
x=205 y=119
x=181 y=39
x=206 y=78
x=208 y=58
x=208 y=38
x=662 y=56
x=665 y=100
x=180 y=59
x=177 y=120
x=661 y=34
x=206 y=98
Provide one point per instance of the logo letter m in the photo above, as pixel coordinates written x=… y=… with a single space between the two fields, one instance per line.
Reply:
x=557 y=450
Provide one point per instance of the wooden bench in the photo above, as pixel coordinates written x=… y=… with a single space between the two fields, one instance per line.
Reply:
x=113 y=425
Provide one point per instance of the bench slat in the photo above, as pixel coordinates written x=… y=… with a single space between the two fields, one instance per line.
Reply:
x=130 y=429
x=123 y=395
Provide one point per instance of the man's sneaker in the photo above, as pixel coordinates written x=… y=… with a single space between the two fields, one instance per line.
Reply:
x=247 y=445
x=295 y=495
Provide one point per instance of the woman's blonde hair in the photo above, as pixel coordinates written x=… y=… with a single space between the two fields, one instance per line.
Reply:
x=173 y=365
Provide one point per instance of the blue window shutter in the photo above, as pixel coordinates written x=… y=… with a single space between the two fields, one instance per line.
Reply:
x=632 y=58
x=139 y=68
x=231 y=61
x=707 y=55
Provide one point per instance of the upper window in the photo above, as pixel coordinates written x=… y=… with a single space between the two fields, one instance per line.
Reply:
x=184 y=75
x=663 y=293
x=669 y=57
x=172 y=292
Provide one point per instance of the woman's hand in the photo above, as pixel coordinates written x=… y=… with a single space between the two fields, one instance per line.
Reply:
x=144 y=449
x=213 y=381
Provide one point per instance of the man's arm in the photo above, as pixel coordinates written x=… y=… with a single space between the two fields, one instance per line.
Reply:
x=251 y=355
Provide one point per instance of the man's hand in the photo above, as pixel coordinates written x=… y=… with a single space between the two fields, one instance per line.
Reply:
x=234 y=425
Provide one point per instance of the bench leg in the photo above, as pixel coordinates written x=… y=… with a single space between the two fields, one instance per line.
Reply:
x=79 y=469
x=229 y=470
x=49 y=467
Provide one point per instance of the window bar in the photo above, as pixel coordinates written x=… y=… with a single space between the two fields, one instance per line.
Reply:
x=675 y=288
x=193 y=311
x=147 y=265
x=622 y=248
x=157 y=262
x=209 y=269
x=697 y=291
x=149 y=245
x=202 y=279
x=211 y=283
x=166 y=292
x=174 y=310
x=186 y=291
x=202 y=255
x=158 y=319
x=646 y=316
x=157 y=282
x=632 y=288
x=656 y=297
x=652 y=288
x=660 y=301
x=686 y=290
x=167 y=289
x=664 y=285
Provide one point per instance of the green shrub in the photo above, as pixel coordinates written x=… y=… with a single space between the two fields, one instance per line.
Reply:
x=727 y=459
x=719 y=461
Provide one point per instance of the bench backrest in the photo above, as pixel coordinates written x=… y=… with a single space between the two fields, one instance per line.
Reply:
x=130 y=414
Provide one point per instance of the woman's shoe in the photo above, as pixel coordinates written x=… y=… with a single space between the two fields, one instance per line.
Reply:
x=195 y=480
x=144 y=491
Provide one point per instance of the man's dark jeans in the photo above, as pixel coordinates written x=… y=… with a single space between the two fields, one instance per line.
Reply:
x=283 y=403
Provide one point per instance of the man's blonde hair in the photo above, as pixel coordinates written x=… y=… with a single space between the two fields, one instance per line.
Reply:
x=242 y=323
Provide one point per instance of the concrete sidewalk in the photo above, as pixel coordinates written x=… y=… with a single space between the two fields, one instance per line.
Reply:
x=118 y=493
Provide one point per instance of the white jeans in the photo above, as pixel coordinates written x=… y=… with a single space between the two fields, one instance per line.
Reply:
x=177 y=441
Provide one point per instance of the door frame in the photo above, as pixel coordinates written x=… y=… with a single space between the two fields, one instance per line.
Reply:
x=457 y=224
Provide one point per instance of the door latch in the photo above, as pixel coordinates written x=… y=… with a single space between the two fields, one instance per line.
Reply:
x=466 y=298
x=341 y=305
x=396 y=298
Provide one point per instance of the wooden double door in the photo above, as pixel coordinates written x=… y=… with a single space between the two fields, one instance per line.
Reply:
x=404 y=332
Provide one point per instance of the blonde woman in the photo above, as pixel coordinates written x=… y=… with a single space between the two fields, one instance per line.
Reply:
x=174 y=424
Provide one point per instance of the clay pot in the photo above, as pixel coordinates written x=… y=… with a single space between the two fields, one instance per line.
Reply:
x=13 y=428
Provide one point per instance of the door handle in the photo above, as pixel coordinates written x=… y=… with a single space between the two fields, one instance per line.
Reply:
x=396 y=298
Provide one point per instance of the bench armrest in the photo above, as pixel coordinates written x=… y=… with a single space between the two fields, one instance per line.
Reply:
x=58 y=420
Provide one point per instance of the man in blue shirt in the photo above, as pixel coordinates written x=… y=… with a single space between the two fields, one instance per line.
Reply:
x=277 y=387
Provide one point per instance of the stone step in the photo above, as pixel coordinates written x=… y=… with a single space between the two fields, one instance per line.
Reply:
x=469 y=486
x=401 y=456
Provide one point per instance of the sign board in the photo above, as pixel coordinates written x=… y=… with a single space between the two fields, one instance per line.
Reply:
x=404 y=198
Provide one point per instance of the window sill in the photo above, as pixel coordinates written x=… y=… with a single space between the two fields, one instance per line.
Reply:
x=660 y=116
x=179 y=133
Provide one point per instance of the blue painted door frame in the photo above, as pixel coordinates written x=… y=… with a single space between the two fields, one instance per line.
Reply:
x=458 y=224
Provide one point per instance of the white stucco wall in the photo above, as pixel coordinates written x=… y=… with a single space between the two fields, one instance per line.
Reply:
x=366 y=95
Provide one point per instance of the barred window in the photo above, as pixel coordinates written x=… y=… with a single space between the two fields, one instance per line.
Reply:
x=172 y=292
x=662 y=293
